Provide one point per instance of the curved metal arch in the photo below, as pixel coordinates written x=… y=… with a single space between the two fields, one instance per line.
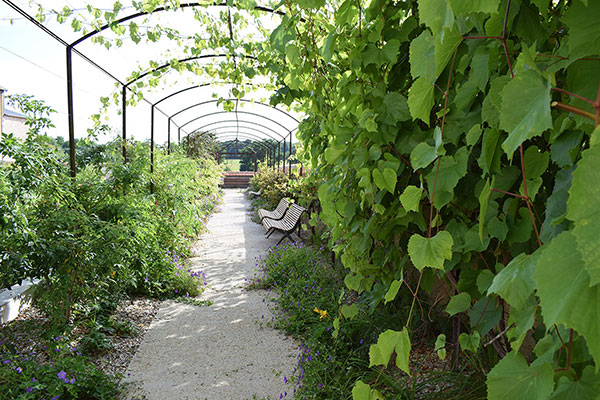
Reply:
x=161 y=9
x=239 y=112
x=255 y=136
x=261 y=146
x=233 y=120
x=245 y=148
x=247 y=135
x=184 y=60
x=200 y=86
x=242 y=100
x=268 y=148
x=237 y=128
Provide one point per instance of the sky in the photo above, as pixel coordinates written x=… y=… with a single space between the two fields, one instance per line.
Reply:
x=32 y=62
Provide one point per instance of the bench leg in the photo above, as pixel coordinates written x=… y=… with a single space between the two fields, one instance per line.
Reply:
x=286 y=235
x=270 y=232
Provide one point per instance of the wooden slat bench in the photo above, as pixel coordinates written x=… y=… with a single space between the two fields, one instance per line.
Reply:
x=277 y=213
x=254 y=194
x=286 y=225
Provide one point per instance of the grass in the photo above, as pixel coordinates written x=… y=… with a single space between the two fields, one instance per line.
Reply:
x=231 y=165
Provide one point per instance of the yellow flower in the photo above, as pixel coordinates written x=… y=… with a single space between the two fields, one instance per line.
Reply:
x=322 y=313
x=114 y=273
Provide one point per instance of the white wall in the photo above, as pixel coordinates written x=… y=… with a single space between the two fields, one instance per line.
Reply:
x=15 y=125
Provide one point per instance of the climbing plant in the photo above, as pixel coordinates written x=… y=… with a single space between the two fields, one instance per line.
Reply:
x=455 y=141
x=458 y=139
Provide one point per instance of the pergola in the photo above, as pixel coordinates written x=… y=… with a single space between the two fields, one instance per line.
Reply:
x=269 y=128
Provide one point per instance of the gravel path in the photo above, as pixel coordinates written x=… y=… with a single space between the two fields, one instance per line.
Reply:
x=223 y=351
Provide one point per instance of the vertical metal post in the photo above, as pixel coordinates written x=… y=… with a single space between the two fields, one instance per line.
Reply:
x=178 y=135
x=278 y=154
x=152 y=150
x=290 y=157
x=255 y=163
x=169 y=136
x=72 y=165
x=124 y=106
x=284 y=156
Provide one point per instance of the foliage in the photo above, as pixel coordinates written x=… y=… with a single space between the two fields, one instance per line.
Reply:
x=273 y=185
x=330 y=360
x=65 y=374
x=455 y=139
x=102 y=233
x=458 y=145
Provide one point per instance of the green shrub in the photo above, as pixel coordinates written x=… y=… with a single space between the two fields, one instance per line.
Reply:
x=336 y=329
x=63 y=374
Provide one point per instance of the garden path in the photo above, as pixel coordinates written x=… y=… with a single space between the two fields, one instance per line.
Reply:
x=222 y=351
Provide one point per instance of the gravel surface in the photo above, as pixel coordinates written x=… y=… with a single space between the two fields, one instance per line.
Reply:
x=140 y=313
x=222 y=351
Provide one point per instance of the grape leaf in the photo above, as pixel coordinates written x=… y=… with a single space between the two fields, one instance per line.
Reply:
x=515 y=282
x=420 y=99
x=421 y=53
x=586 y=387
x=459 y=303
x=392 y=291
x=485 y=314
x=556 y=206
x=411 y=197
x=584 y=211
x=444 y=48
x=513 y=379
x=388 y=342
x=583 y=22
x=386 y=180
x=430 y=252
x=422 y=155
x=563 y=286
x=469 y=342
x=396 y=107
x=525 y=110
x=435 y=14
x=451 y=170
x=462 y=7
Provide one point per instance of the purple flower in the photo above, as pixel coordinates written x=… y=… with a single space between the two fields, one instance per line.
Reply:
x=29 y=389
x=19 y=370
x=72 y=381
x=62 y=375
x=55 y=398
x=146 y=280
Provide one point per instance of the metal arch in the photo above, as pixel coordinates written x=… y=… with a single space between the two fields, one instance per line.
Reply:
x=200 y=86
x=246 y=147
x=261 y=146
x=233 y=120
x=70 y=48
x=240 y=112
x=160 y=9
x=268 y=149
x=184 y=60
x=242 y=100
x=246 y=135
x=237 y=128
x=254 y=136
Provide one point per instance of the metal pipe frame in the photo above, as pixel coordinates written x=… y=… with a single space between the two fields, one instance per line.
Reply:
x=70 y=48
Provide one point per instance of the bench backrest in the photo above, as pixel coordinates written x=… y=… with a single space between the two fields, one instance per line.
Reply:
x=294 y=213
x=282 y=206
